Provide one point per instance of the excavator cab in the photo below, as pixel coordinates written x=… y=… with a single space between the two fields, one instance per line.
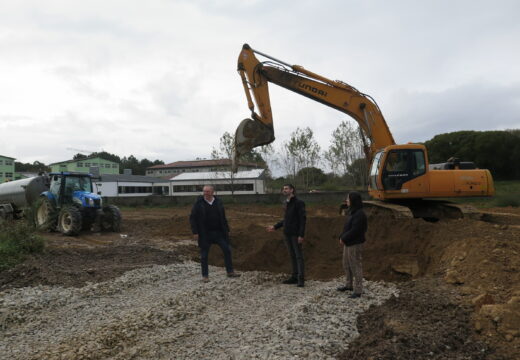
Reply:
x=401 y=166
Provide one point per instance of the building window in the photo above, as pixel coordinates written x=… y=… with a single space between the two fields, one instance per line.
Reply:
x=218 y=187
x=134 y=189
x=187 y=188
x=114 y=166
x=9 y=162
x=80 y=164
x=87 y=165
x=63 y=166
x=1 y=162
x=9 y=175
x=94 y=164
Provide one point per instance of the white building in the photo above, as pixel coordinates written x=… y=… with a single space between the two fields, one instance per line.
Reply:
x=225 y=183
x=180 y=167
x=122 y=185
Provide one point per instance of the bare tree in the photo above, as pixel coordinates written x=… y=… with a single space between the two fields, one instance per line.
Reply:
x=346 y=148
x=225 y=148
x=300 y=151
x=225 y=151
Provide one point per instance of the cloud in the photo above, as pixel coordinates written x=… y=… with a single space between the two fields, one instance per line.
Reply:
x=418 y=116
x=158 y=79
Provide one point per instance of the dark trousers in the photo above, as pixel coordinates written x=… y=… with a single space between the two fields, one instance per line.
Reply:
x=216 y=237
x=296 y=254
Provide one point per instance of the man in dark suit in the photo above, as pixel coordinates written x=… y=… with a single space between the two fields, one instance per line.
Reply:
x=209 y=226
x=293 y=225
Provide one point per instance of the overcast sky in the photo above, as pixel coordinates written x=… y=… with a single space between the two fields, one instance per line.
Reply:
x=157 y=79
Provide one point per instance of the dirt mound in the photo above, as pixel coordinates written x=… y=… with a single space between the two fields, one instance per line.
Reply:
x=173 y=227
x=75 y=267
x=426 y=321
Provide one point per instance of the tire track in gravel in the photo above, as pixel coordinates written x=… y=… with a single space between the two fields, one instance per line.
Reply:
x=166 y=312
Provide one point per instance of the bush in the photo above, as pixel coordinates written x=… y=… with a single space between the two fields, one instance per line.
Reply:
x=17 y=239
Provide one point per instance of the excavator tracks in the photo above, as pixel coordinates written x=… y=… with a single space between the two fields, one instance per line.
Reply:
x=430 y=210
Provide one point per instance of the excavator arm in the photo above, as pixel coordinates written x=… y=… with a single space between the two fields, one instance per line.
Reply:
x=259 y=129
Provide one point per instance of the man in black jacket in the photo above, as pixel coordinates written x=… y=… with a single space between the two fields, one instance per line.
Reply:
x=352 y=239
x=294 y=231
x=209 y=226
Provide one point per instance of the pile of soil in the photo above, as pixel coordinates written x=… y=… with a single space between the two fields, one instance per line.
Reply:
x=75 y=267
x=426 y=321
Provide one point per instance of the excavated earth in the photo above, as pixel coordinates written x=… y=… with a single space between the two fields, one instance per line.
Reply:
x=435 y=290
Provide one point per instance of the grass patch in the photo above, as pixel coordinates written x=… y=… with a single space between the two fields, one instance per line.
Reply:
x=507 y=193
x=507 y=200
x=17 y=240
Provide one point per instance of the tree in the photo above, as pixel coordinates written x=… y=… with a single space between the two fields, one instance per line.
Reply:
x=315 y=176
x=300 y=151
x=35 y=167
x=79 y=156
x=357 y=172
x=498 y=151
x=346 y=146
x=226 y=148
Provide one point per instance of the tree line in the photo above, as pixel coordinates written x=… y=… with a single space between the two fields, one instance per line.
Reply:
x=497 y=151
x=137 y=166
x=343 y=163
x=301 y=160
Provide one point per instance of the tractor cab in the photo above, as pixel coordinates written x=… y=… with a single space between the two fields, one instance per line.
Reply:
x=73 y=188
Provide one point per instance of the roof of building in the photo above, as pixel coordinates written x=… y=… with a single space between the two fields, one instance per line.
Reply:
x=130 y=178
x=7 y=157
x=27 y=174
x=81 y=160
x=201 y=163
x=219 y=175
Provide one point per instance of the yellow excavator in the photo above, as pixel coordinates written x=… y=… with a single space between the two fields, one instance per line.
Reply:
x=400 y=176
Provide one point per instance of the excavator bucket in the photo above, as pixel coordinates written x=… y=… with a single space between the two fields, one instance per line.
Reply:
x=250 y=134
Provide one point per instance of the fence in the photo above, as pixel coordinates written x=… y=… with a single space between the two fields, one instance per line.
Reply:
x=154 y=200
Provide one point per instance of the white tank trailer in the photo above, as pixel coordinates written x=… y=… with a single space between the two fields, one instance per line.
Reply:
x=58 y=206
x=16 y=196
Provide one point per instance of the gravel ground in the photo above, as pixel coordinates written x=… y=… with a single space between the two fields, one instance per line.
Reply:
x=166 y=312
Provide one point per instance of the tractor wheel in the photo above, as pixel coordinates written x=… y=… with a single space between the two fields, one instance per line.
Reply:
x=69 y=222
x=111 y=220
x=45 y=215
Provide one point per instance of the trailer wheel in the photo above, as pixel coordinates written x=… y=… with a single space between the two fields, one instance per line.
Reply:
x=45 y=215
x=5 y=216
x=69 y=222
x=111 y=220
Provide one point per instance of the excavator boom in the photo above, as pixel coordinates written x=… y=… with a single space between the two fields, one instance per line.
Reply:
x=259 y=129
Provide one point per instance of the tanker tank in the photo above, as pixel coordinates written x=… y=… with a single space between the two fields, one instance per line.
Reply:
x=22 y=193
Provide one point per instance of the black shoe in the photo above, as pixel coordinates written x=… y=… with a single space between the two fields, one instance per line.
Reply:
x=233 y=275
x=355 y=296
x=300 y=284
x=291 y=280
x=344 y=288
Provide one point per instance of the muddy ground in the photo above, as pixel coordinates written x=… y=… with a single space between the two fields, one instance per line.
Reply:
x=459 y=279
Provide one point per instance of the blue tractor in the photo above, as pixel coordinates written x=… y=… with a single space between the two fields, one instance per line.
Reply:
x=69 y=206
